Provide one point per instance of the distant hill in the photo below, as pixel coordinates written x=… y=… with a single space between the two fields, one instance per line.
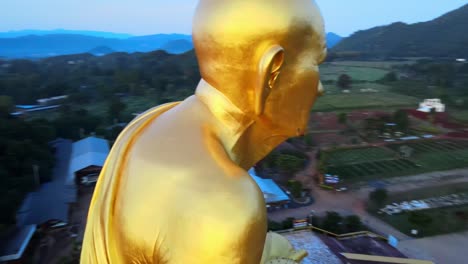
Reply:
x=101 y=50
x=333 y=39
x=27 y=32
x=178 y=46
x=445 y=36
x=37 y=46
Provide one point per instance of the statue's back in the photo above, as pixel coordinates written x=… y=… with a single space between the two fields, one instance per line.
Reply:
x=171 y=194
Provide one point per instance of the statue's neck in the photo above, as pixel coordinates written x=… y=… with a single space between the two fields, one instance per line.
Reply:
x=245 y=139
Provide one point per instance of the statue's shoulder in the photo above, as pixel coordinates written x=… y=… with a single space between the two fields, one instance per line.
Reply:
x=152 y=113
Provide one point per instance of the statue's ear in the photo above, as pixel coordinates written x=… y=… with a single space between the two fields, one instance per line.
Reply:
x=268 y=71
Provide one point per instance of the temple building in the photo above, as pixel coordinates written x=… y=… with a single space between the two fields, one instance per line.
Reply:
x=429 y=104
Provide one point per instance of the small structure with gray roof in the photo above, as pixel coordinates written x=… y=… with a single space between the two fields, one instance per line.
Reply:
x=87 y=159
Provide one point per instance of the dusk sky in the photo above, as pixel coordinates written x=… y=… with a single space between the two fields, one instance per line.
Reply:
x=142 y=17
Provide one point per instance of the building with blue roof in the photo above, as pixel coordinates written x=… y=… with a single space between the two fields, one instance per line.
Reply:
x=272 y=193
x=14 y=243
x=51 y=200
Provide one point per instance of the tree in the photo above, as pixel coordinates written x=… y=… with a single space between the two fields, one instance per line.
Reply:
x=308 y=140
x=432 y=115
x=344 y=81
x=116 y=107
x=419 y=218
x=6 y=105
x=289 y=163
x=274 y=226
x=390 y=77
x=288 y=223
x=296 y=188
x=353 y=223
x=342 y=118
x=379 y=196
x=401 y=119
x=332 y=222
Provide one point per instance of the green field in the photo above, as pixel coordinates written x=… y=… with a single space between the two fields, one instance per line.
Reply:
x=331 y=71
x=438 y=155
x=357 y=100
x=460 y=115
x=356 y=88
x=364 y=164
x=359 y=155
x=443 y=221
x=385 y=65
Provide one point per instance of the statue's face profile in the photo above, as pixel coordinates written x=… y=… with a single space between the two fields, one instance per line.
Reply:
x=264 y=56
x=296 y=88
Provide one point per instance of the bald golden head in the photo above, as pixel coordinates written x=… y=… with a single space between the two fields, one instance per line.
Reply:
x=247 y=47
x=229 y=34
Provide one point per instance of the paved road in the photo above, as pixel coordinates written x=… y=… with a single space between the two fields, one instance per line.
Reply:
x=353 y=202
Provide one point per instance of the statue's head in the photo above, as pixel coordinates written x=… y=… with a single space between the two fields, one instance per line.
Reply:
x=264 y=56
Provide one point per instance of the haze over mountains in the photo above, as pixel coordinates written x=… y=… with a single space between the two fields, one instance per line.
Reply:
x=27 y=32
x=445 y=36
x=48 y=45
x=40 y=44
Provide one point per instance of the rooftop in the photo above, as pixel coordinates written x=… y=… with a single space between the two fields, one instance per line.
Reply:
x=271 y=191
x=51 y=200
x=91 y=151
x=319 y=253
x=13 y=245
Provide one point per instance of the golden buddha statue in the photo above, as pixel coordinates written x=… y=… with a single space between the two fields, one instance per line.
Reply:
x=175 y=187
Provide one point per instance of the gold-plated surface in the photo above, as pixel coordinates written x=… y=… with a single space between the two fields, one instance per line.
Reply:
x=174 y=188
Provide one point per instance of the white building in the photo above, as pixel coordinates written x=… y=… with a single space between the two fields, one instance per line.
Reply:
x=428 y=104
x=52 y=100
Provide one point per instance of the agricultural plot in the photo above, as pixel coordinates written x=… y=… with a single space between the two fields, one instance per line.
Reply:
x=437 y=154
x=364 y=164
x=358 y=100
x=359 y=155
x=430 y=222
x=385 y=65
x=448 y=210
x=329 y=71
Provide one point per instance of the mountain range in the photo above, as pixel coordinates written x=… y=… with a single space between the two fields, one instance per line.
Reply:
x=27 y=32
x=40 y=44
x=445 y=36
x=48 y=45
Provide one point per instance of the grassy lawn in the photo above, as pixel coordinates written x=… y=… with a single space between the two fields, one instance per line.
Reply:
x=444 y=220
x=357 y=100
x=364 y=164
